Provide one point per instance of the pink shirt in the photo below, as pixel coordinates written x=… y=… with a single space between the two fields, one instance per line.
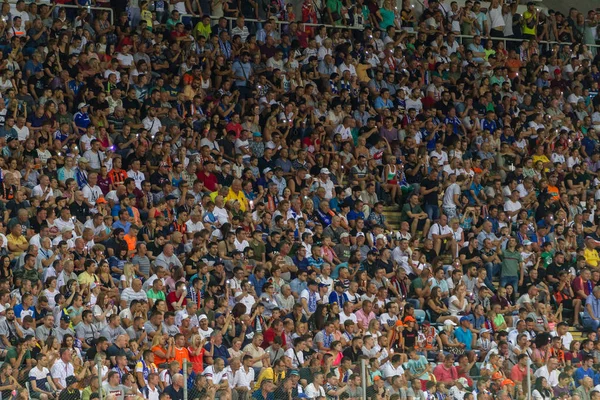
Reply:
x=363 y=319
x=443 y=374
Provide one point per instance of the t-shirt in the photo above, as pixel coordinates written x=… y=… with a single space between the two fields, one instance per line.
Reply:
x=39 y=376
x=449 y=195
x=510 y=263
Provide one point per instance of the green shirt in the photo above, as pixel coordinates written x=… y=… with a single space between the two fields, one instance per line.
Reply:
x=510 y=263
x=156 y=296
x=12 y=353
x=408 y=208
x=416 y=284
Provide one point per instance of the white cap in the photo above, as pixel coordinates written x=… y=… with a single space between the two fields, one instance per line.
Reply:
x=449 y=322
x=201 y=317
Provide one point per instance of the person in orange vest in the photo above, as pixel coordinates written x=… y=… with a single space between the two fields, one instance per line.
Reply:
x=131 y=238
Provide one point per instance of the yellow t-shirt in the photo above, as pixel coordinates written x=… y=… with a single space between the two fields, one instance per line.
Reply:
x=268 y=373
x=591 y=257
x=543 y=158
x=147 y=16
x=202 y=30
x=21 y=240
x=240 y=196
x=86 y=279
x=526 y=30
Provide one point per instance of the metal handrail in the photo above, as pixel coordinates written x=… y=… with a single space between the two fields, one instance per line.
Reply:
x=279 y=24
x=539 y=42
x=461 y=38
x=92 y=8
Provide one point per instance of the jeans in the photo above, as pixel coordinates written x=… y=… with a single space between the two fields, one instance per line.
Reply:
x=588 y=322
x=492 y=271
x=513 y=280
x=433 y=212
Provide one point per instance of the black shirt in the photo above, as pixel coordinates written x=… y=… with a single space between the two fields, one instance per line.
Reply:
x=131 y=103
x=430 y=198
x=174 y=394
x=351 y=354
x=114 y=351
x=81 y=212
x=554 y=269
x=469 y=254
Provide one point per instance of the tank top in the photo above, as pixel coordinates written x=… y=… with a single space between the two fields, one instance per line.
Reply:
x=391 y=175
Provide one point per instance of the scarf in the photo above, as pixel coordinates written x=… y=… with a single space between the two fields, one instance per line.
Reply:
x=312 y=302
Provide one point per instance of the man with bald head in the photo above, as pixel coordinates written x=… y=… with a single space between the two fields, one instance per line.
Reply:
x=168 y=259
x=134 y=292
x=236 y=193
x=117 y=348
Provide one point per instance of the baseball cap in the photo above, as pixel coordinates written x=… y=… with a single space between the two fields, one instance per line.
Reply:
x=81 y=105
x=201 y=317
x=324 y=171
x=463 y=381
x=344 y=235
x=321 y=285
x=449 y=322
x=409 y=319
x=71 y=380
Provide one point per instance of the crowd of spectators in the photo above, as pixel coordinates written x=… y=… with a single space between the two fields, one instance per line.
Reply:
x=230 y=197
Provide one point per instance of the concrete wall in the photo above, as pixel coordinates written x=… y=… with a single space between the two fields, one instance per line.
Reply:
x=563 y=6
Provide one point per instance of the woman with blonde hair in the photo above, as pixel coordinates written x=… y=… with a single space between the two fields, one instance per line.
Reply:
x=197 y=352
x=163 y=348
x=128 y=275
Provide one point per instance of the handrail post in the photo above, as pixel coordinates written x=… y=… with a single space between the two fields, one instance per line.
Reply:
x=185 y=376
x=99 y=368
x=363 y=377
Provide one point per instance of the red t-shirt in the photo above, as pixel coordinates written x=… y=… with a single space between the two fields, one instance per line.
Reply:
x=269 y=336
x=172 y=298
x=210 y=181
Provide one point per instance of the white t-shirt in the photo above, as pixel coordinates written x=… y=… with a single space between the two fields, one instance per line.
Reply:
x=449 y=195
x=510 y=205
x=388 y=370
x=296 y=357
x=125 y=59
x=92 y=194
x=312 y=392
x=438 y=229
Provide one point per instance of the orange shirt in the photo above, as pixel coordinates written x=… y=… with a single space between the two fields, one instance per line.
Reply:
x=181 y=354
x=157 y=359
x=131 y=242
x=554 y=192
x=513 y=66
x=117 y=176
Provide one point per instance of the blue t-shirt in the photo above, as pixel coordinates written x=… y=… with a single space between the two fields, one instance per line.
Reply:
x=465 y=337
x=18 y=309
